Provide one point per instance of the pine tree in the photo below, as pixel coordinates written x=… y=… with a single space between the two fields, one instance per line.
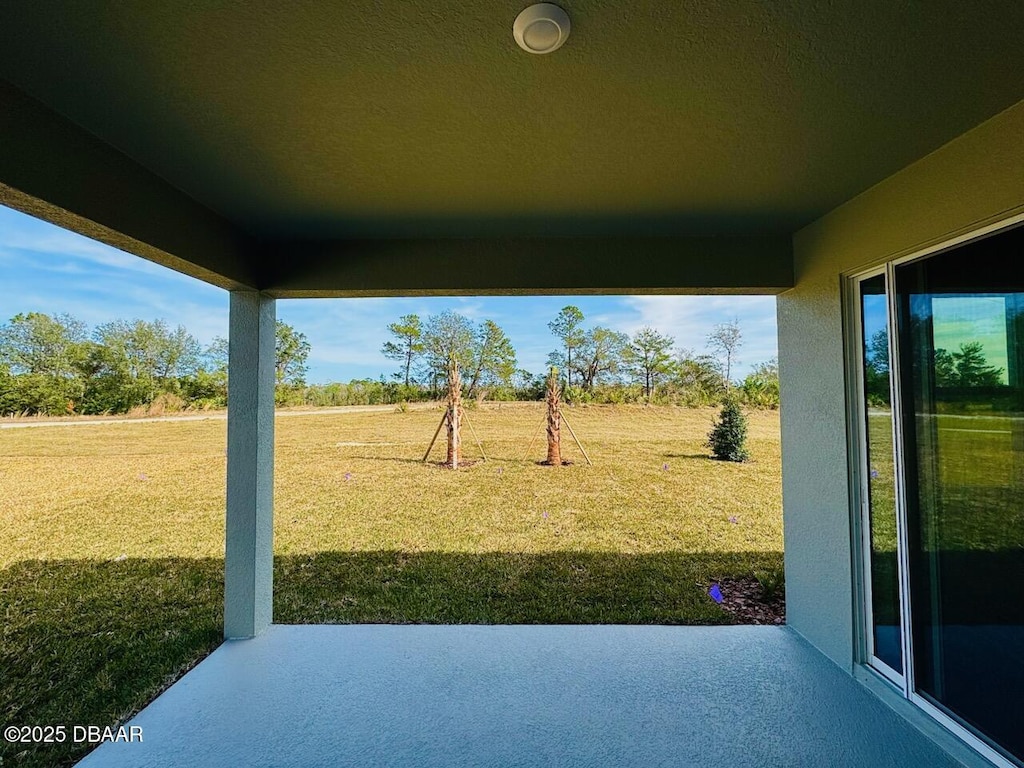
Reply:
x=727 y=439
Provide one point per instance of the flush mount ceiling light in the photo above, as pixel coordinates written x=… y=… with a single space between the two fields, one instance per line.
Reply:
x=541 y=28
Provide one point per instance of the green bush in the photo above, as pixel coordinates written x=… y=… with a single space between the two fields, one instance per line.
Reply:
x=501 y=394
x=727 y=439
x=761 y=388
x=577 y=395
x=39 y=394
x=761 y=392
x=618 y=394
x=286 y=395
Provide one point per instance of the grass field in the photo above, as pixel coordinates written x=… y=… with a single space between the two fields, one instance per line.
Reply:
x=112 y=537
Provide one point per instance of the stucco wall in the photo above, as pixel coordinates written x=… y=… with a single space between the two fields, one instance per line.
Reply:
x=975 y=180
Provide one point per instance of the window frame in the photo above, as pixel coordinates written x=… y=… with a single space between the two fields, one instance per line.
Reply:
x=856 y=411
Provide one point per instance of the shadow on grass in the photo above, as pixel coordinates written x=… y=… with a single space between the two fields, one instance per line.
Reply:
x=506 y=588
x=92 y=642
x=706 y=456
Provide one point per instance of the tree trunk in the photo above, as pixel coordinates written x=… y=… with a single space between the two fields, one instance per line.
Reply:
x=554 y=421
x=454 y=415
x=471 y=391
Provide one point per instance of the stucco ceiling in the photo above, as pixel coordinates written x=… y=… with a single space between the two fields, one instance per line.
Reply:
x=413 y=118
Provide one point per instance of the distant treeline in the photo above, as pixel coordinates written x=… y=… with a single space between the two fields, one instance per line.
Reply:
x=55 y=365
x=597 y=364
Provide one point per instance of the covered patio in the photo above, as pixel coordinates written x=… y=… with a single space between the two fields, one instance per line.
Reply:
x=714 y=697
x=306 y=150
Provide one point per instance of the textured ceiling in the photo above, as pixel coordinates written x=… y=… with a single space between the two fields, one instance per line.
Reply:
x=413 y=118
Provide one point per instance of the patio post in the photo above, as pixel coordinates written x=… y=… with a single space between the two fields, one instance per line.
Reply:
x=249 y=556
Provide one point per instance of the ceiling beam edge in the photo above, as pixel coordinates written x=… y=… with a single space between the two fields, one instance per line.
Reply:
x=52 y=169
x=551 y=266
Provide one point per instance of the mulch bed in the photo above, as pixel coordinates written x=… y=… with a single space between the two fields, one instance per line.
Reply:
x=743 y=597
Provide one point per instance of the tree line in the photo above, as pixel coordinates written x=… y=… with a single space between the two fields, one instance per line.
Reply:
x=597 y=364
x=56 y=365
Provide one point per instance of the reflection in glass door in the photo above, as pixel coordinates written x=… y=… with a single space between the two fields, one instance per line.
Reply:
x=881 y=559
x=960 y=320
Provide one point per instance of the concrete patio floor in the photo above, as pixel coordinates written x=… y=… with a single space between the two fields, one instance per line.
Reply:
x=714 y=697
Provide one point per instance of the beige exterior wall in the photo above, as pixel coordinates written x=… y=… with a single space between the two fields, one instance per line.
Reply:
x=973 y=181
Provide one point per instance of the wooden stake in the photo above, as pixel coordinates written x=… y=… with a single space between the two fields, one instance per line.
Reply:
x=540 y=428
x=444 y=418
x=578 y=443
x=476 y=437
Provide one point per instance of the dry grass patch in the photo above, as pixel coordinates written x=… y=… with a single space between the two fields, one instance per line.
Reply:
x=653 y=487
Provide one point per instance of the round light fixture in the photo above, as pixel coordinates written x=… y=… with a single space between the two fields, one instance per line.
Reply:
x=541 y=28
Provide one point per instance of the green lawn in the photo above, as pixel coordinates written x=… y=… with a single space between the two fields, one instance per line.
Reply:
x=111 y=541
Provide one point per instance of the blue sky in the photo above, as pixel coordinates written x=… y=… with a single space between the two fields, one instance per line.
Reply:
x=50 y=270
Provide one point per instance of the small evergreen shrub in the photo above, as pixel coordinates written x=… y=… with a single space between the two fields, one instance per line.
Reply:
x=727 y=439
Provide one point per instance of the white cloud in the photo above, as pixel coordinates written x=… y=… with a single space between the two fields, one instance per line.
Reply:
x=345 y=332
x=60 y=244
x=689 y=319
x=51 y=270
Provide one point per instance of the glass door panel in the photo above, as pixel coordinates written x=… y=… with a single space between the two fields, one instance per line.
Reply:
x=961 y=343
x=880 y=523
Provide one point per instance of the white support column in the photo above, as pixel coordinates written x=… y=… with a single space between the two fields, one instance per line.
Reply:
x=249 y=539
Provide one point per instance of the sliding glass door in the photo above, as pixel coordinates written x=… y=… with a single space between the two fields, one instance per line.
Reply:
x=879 y=480
x=956 y=449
